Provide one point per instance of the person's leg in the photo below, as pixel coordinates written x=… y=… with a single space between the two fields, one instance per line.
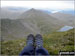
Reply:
x=29 y=49
x=39 y=46
x=41 y=51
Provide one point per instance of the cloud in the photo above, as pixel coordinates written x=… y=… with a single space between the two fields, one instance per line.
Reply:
x=54 y=5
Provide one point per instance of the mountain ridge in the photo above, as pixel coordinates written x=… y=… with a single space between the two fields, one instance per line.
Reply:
x=39 y=17
x=65 y=17
x=31 y=21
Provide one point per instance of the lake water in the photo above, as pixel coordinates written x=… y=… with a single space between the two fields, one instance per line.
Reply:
x=65 y=28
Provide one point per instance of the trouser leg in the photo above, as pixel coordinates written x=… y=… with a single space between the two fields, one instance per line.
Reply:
x=41 y=51
x=28 y=50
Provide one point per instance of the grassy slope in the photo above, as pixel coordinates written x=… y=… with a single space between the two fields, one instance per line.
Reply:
x=13 y=29
x=54 y=42
x=59 y=41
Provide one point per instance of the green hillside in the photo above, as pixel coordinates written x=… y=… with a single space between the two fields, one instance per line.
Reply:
x=13 y=29
x=54 y=42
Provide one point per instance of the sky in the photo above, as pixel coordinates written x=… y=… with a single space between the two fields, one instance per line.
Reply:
x=49 y=5
x=40 y=4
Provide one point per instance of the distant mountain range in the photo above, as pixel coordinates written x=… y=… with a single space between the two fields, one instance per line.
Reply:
x=14 y=12
x=68 y=18
x=33 y=21
x=69 y=12
x=11 y=12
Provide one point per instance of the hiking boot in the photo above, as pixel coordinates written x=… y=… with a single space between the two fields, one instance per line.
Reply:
x=30 y=39
x=38 y=41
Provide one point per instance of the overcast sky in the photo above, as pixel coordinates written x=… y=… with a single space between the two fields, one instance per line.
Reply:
x=55 y=5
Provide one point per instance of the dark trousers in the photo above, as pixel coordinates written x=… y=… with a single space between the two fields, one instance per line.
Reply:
x=30 y=50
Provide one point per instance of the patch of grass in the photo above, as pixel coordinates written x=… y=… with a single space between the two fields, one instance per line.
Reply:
x=13 y=47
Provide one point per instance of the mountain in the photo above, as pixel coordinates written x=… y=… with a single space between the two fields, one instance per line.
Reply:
x=13 y=29
x=40 y=20
x=68 y=18
x=11 y=12
x=32 y=21
x=72 y=12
